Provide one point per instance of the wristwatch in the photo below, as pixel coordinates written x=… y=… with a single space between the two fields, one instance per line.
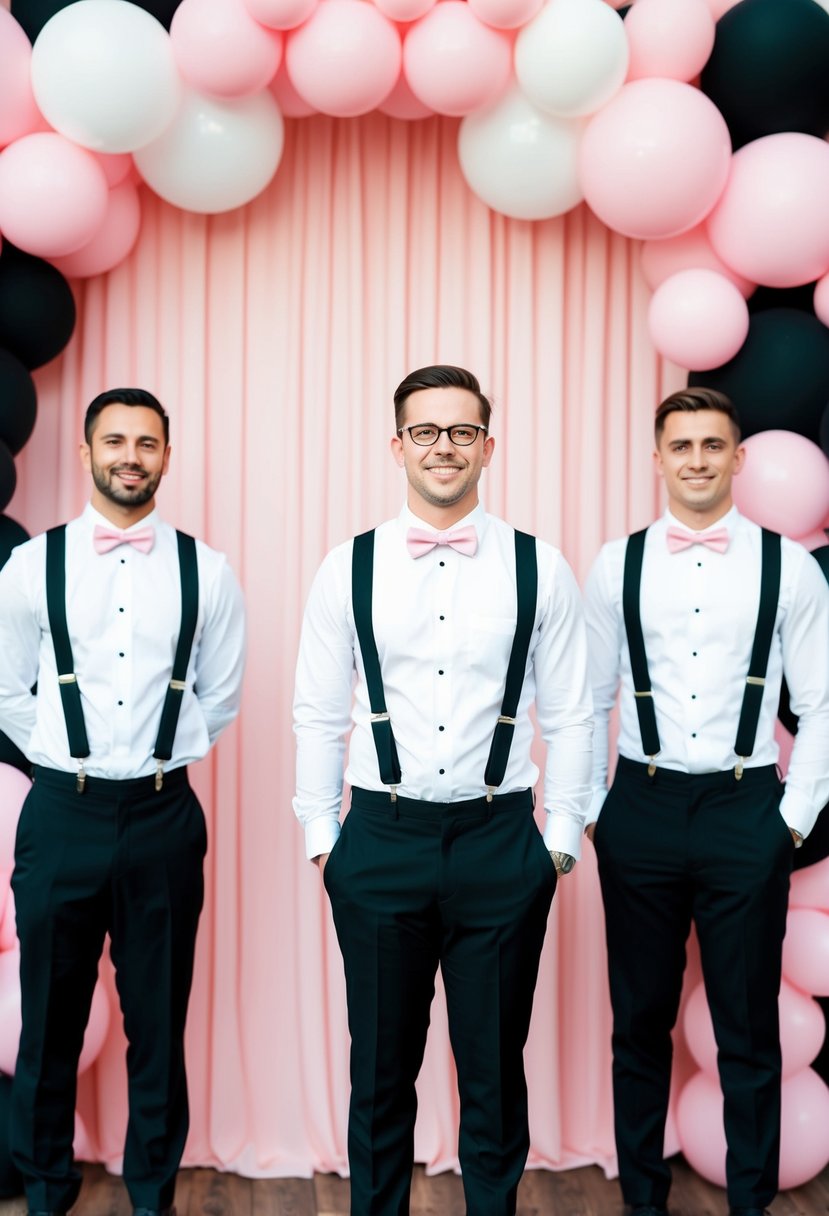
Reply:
x=563 y=862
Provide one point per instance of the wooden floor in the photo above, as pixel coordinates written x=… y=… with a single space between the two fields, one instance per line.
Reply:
x=583 y=1192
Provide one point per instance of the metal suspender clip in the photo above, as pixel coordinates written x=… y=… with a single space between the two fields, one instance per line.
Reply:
x=380 y=717
x=756 y=680
x=159 y=774
x=71 y=678
x=738 y=769
x=81 y=781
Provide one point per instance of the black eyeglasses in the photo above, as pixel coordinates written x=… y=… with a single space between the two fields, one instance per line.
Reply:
x=425 y=434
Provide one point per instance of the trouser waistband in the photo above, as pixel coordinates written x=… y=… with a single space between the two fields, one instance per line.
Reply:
x=127 y=787
x=761 y=774
x=378 y=800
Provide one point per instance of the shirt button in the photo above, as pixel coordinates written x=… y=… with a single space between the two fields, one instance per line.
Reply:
x=120 y=702
x=693 y=696
x=441 y=728
x=694 y=653
x=696 y=610
x=441 y=771
x=442 y=563
x=699 y=563
x=123 y=561
x=440 y=671
x=120 y=654
x=441 y=618
x=693 y=734
x=120 y=609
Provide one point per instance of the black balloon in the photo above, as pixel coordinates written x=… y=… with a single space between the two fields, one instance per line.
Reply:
x=8 y=476
x=18 y=402
x=11 y=534
x=37 y=308
x=779 y=379
x=802 y=298
x=823 y=433
x=33 y=14
x=11 y=1181
x=768 y=70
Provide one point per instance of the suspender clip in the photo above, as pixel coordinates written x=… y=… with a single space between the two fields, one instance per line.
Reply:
x=738 y=770
x=756 y=680
x=159 y=774
x=490 y=790
x=393 y=790
x=652 y=759
x=81 y=781
x=384 y=717
x=71 y=678
x=647 y=693
x=509 y=721
x=178 y=685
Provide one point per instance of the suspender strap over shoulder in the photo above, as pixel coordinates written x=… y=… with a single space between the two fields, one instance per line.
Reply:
x=758 y=665
x=362 y=579
x=70 y=693
x=636 y=646
x=189 y=574
x=526 y=581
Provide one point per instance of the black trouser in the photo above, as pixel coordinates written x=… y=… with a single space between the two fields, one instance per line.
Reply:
x=124 y=859
x=466 y=886
x=673 y=849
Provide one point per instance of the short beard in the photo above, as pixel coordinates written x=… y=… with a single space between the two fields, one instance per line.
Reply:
x=124 y=497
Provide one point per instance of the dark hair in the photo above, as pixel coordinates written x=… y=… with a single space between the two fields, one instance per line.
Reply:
x=443 y=375
x=689 y=400
x=124 y=396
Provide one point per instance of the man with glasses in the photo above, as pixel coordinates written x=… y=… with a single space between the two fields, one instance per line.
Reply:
x=455 y=624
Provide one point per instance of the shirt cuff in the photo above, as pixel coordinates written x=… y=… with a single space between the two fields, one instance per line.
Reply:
x=321 y=835
x=563 y=833
x=596 y=804
x=798 y=812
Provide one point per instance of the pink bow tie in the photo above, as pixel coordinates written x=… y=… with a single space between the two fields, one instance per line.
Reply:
x=105 y=539
x=465 y=540
x=680 y=538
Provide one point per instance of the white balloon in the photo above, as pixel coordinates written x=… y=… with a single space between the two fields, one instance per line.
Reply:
x=573 y=57
x=104 y=76
x=519 y=160
x=217 y=154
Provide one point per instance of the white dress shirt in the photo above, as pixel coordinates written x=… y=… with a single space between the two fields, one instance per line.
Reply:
x=699 y=612
x=444 y=625
x=123 y=611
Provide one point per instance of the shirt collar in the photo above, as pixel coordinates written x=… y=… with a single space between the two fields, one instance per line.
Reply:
x=727 y=521
x=477 y=517
x=91 y=517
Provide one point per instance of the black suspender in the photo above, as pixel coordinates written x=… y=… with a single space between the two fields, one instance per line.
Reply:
x=189 y=575
x=636 y=645
x=758 y=665
x=526 y=583
x=69 y=690
x=70 y=693
x=763 y=633
x=362 y=578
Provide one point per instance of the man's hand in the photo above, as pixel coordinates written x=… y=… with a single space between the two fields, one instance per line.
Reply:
x=320 y=861
x=590 y=830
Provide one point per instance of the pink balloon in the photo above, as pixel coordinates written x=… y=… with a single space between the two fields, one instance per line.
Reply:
x=821 y=300
x=402 y=103
x=117 y=166
x=689 y=251
x=802 y=1030
x=806 y=950
x=671 y=38
x=8 y=925
x=815 y=539
x=289 y=101
x=18 y=110
x=804 y=1144
x=770 y=224
x=718 y=7
x=53 y=195
x=655 y=159
x=698 y=319
x=505 y=14
x=405 y=10
x=112 y=242
x=14 y=786
x=220 y=49
x=454 y=63
x=10 y=1017
x=346 y=59
x=784 y=483
x=82 y=1145
x=810 y=887
x=281 y=14
x=699 y=1119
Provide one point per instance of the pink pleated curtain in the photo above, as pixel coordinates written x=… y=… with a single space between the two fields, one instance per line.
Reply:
x=275 y=335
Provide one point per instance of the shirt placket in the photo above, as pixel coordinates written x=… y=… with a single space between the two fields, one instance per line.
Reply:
x=447 y=655
x=123 y=658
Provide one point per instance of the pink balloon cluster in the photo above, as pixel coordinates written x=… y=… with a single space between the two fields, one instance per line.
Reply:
x=14 y=787
x=804 y=1147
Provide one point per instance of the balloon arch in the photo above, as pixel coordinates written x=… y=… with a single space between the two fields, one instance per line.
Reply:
x=695 y=126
